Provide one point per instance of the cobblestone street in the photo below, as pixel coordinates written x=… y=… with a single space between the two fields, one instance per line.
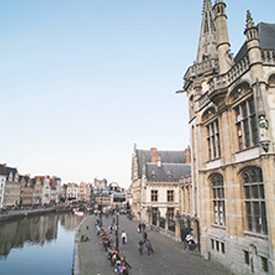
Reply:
x=168 y=257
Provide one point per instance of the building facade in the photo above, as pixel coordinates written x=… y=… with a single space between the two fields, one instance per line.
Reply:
x=12 y=188
x=3 y=178
x=232 y=126
x=156 y=184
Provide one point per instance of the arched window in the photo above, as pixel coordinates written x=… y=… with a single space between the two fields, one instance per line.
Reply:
x=255 y=200
x=246 y=124
x=213 y=140
x=218 y=199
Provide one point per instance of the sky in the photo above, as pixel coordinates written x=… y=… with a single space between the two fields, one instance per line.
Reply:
x=82 y=81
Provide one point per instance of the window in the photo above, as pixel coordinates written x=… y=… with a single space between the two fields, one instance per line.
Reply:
x=218 y=199
x=246 y=257
x=264 y=264
x=223 y=248
x=170 y=195
x=255 y=200
x=217 y=246
x=154 y=195
x=246 y=123
x=170 y=211
x=213 y=140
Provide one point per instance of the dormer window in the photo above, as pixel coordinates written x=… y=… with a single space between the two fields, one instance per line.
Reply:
x=158 y=160
x=153 y=174
x=169 y=175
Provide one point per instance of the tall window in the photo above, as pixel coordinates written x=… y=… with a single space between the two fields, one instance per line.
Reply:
x=170 y=195
x=246 y=124
x=255 y=200
x=154 y=195
x=218 y=199
x=213 y=139
x=170 y=211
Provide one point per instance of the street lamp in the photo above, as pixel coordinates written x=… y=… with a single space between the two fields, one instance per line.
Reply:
x=117 y=244
x=101 y=210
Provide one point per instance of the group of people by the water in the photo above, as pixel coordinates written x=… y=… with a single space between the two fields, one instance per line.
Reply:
x=120 y=263
x=121 y=266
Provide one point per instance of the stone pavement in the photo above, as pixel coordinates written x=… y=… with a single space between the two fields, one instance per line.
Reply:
x=168 y=257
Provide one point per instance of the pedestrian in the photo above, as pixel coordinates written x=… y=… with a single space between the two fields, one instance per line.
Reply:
x=139 y=228
x=124 y=237
x=111 y=229
x=149 y=247
x=143 y=227
x=140 y=246
x=145 y=236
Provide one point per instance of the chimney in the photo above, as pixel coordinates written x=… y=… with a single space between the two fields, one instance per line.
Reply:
x=188 y=155
x=154 y=155
x=5 y=165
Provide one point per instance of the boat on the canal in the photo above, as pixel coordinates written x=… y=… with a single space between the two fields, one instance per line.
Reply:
x=78 y=212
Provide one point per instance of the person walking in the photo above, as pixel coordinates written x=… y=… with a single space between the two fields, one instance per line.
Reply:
x=145 y=236
x=124 y=237
x=149 y=247
x=140 y=246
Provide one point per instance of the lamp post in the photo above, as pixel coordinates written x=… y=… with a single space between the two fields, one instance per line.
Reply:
x=117 y=244
x=101 y=210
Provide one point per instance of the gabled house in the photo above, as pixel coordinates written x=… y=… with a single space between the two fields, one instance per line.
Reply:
x=12 y=188
x=81 y=194
x=71 y=192
x=26 y=193
x=37 y=185
x=3 y=178
x=53 y=192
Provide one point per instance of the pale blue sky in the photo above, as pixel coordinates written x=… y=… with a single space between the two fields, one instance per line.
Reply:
x=83 y=81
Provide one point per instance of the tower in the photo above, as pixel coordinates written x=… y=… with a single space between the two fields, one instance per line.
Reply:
x=232 y=127
x=207 y=41
x=223 y=45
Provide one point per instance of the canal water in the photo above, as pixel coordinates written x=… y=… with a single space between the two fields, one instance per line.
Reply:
x=41 y=245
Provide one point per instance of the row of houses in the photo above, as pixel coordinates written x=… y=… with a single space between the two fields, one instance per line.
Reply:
x=17 y=190
x=100 y=193
x=226 y=193
x=23 y=190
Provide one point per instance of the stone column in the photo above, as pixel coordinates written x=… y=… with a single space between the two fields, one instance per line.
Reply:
x=166 y=221
x=177 y=231
x=158 y=219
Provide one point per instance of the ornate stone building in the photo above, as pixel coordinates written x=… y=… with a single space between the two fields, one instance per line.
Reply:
x=156 y=184
x=232 y=126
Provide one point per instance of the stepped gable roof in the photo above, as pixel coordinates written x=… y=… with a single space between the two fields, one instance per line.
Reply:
x=266 y=33
x=167 y=157
x=11 y=170
x=42 y=178
x=26 y=178
x=3 y=170
x=176 y=171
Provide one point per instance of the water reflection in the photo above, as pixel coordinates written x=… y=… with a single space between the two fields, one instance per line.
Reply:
x=37 y=230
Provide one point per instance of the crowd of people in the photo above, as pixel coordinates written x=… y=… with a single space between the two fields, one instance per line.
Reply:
x=120 y=263
x=121 y=266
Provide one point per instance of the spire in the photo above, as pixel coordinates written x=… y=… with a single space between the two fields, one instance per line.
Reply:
x=249 y=20
x=207 y=42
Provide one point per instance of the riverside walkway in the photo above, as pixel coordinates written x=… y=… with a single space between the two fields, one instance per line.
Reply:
x=168 y=257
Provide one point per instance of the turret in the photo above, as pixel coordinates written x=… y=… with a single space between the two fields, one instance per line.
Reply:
x=223 y=45
x=207 y=42
x=252 y=41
